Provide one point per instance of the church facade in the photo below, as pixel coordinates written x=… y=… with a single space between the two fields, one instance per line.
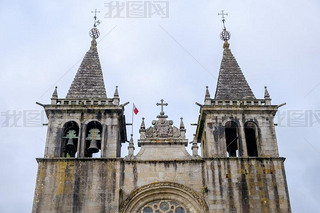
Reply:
x=239 y=169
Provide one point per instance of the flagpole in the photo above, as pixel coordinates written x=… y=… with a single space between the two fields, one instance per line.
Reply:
x=132 y=119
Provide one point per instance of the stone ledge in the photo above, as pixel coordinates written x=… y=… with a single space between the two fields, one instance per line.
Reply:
x=77 y=159
x=245 y=158
x=176 y=160
x=167 y=141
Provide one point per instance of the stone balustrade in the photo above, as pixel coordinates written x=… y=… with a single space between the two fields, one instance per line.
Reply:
x=109 y=101
x=255 y=102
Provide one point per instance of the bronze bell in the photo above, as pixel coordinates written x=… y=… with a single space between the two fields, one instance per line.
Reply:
x=70 y=144
x=94 y=135
x=93 y=148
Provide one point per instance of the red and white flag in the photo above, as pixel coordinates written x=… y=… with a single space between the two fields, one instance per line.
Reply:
x=135 y=109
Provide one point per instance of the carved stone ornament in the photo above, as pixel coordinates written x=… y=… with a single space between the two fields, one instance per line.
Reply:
x=162 y=128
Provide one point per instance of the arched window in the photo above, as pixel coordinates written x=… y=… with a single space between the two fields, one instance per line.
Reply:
x=165 y=197
x=93 y=139
x=232 y=139
x=70 y=139
x=250 y=130
x=163 y=206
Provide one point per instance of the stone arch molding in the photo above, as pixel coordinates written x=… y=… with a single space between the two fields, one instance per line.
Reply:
x=185 y=196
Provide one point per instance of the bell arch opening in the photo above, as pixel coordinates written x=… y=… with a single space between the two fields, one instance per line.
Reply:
x=164 y=197
x=70 y=138
x=232 y=139
x=93 y=139
x=250 y=130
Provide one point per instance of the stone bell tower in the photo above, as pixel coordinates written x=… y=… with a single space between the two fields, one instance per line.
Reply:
x=83 y=125
x=86 y=121
x=236 y=130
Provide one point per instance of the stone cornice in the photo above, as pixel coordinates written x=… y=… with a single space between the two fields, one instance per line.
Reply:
x=166 y=141
x=195 y=160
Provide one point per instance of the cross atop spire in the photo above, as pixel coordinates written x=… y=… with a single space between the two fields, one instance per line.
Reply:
x=225 y=35
x=94 y=32
x=222 y=14
x=96 y=22
x=162 y=104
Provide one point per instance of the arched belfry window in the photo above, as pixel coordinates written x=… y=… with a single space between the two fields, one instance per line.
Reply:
x=70 y=139
x=93 y=139
x=250 y=130
x=232 y=139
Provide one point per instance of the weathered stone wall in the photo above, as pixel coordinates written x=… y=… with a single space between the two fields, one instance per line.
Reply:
x=102 y=185
x=246 y=185
x=139 y=173
x=72 y=185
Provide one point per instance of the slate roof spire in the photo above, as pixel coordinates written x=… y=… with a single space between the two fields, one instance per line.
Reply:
x=231 y=84
x=88 y=82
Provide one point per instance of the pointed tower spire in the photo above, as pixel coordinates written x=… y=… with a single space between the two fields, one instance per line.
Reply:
x=181 y=123
x=182 y=128
x=88 y=82
x=142 y=130
x=116 y=98
x=143 y=126
x=207 y=98
x=116 y=93
x=266 y=93
x=267 y=96
x=195 y=147
x=207 y=93
x=232 y=84
x=54 y=98
x=55 y=93
x=131 y=148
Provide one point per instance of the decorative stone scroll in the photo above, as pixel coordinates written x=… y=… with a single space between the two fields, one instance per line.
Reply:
x=162 y=128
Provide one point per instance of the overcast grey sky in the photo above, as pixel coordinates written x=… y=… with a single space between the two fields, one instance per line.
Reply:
x=275 y=43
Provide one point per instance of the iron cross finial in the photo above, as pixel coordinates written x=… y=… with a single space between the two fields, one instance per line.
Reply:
x=94 y=32
x=222 y=14
x=96 y=22
x=225 y=35
x=162 y=104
